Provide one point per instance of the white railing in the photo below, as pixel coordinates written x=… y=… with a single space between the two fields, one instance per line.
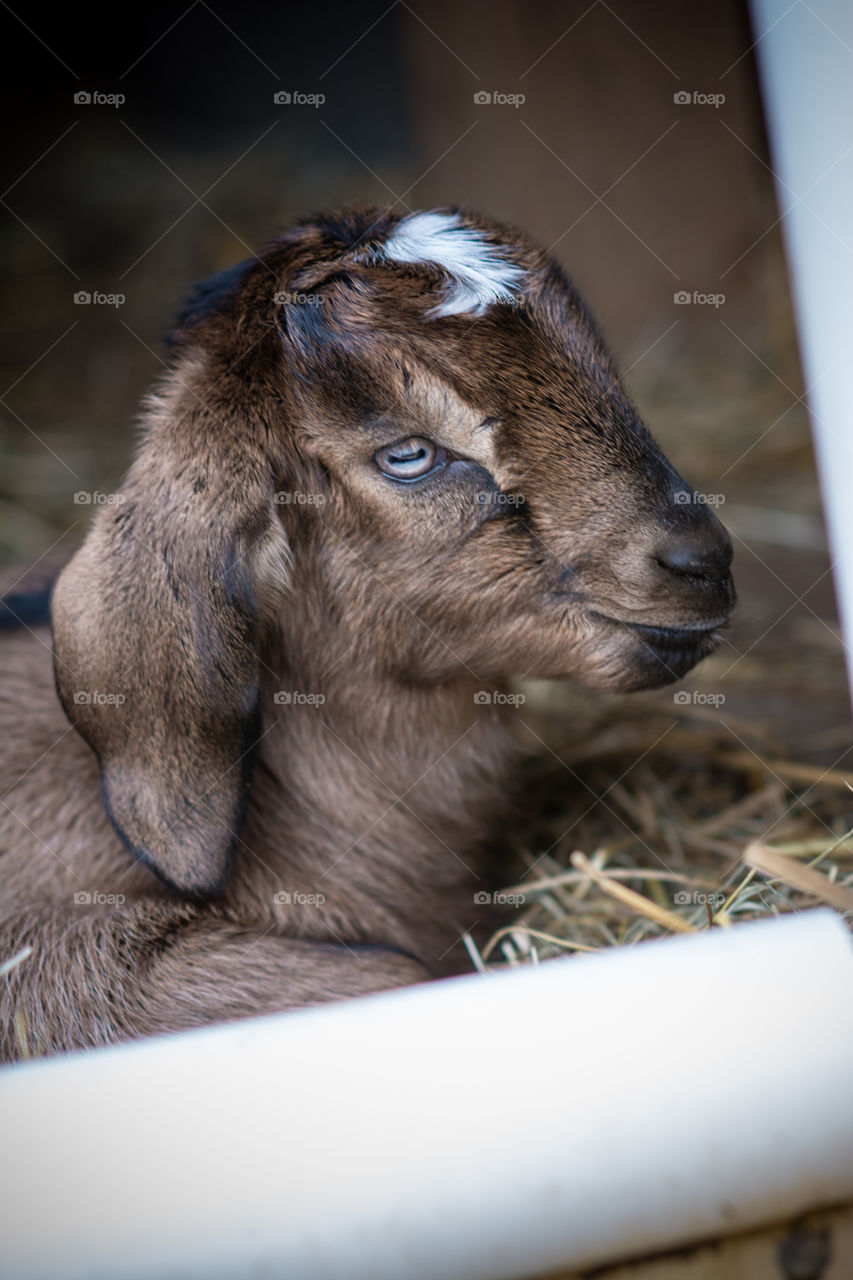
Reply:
x=483 y=1127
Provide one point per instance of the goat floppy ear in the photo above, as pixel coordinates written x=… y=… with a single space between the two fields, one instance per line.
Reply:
x=157 y=622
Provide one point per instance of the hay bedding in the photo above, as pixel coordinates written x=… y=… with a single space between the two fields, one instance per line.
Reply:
x=654 y=819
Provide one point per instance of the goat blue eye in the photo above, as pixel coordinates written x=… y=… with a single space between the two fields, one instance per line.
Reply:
x=410 y=459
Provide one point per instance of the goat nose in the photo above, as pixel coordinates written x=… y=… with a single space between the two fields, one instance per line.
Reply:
x=700 y=552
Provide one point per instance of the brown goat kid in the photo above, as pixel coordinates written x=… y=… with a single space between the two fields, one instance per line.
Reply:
x=390 y=468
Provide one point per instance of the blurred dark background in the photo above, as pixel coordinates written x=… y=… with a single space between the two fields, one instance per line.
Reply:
x=640 y=195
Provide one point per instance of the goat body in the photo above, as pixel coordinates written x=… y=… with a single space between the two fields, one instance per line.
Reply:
x=390 y=468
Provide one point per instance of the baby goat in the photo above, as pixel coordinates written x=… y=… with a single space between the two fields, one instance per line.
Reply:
x=391 y=467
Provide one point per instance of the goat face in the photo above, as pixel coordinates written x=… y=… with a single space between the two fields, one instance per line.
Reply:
x=471 y=436
x=401 y=431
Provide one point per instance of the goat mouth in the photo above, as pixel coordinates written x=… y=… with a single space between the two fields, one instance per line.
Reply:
x=669 y=652
x=664 y=638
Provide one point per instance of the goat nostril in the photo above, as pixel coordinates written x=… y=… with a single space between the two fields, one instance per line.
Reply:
x=698 y=554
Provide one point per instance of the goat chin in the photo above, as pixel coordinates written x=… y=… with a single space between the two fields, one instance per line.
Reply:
x=271 y=760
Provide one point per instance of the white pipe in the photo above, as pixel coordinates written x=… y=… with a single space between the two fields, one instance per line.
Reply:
x=492 y=1127
x=804 y=56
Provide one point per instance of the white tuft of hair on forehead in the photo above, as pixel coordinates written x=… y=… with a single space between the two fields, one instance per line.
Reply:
x=480 y=272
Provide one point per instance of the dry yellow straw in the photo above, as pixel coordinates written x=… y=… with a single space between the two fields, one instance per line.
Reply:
x=616 y=873
x=787 y=769
x=660 y=915
x=781 y=867
x=566 y=943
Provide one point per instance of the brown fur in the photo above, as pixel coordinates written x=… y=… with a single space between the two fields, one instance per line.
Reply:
x=199 y=597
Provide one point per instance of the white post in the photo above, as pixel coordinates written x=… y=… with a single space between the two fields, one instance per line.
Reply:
x=805 y=57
